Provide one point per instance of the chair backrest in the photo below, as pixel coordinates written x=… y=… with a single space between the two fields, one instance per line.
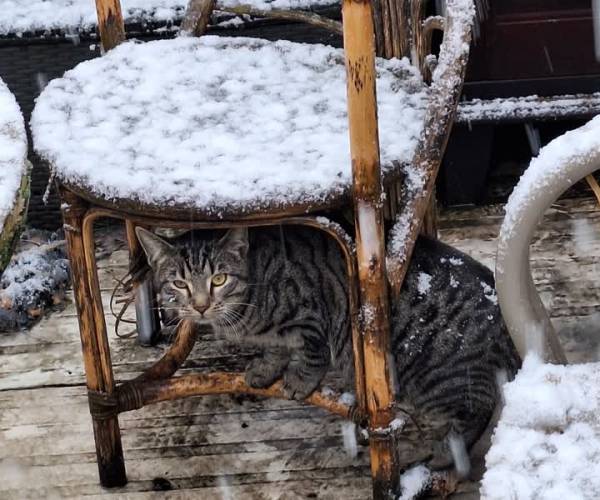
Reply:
x=112 y=27
x=402 y=28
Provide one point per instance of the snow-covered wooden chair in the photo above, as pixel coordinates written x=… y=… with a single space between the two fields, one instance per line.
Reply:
x=221 y=132
x=14 y=174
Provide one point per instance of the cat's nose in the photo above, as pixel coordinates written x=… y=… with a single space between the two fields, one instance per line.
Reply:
x=201 y=303
x=201 y=307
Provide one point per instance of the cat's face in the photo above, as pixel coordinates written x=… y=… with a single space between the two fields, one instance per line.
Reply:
x=204 y=280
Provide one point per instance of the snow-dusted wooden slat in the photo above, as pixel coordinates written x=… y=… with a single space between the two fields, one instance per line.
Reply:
x=446 y=86
x=295 y=15
x=528 y=108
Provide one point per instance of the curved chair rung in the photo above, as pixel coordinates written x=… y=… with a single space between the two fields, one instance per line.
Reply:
x=138 y=393
x=175 y=356
x=559 y=165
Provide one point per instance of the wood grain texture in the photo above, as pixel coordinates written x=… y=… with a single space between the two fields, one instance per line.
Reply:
x=110 y=23
x=446 y=88
x=94 y=342
x=301 y=16
x=359 y=49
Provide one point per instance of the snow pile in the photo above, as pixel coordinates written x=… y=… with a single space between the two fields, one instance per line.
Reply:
x=218 y=122
x=35 y=278
x=547 y=443
x=29 y=16
x=13 y=150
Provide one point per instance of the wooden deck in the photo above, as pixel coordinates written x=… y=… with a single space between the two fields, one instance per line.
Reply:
x=237 y=448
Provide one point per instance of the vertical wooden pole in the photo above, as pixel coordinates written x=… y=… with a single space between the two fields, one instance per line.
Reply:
x=110 y=23
x=94 y=343
x=359 y=46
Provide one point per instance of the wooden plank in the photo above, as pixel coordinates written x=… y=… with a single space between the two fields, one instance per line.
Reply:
x=331 y=484
x=517 y=109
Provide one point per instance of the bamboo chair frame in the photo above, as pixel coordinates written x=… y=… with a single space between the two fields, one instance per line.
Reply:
x=365 y=262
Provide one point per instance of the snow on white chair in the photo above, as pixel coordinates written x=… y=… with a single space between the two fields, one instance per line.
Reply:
x=563 y=162
x=547 y=439
x=222 y=132
x=14 y=174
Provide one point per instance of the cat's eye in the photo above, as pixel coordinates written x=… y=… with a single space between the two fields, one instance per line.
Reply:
x=219 y=279
x=180 y=284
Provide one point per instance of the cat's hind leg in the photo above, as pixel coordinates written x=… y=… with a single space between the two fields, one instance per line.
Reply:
x=264 y=370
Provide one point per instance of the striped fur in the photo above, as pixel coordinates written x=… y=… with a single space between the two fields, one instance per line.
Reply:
x=287 y=292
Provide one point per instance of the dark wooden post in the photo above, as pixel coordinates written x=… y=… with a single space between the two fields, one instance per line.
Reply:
x=110 y=23
x=359 y=46
x=96 y=355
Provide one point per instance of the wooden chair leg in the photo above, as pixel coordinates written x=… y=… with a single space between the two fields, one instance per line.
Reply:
x=359 y=49
x=94 y=342
x=146 y=312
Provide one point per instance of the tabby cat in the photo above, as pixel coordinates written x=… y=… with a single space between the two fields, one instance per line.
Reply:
x=285 y=290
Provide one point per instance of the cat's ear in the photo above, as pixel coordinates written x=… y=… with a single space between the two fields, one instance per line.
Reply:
x=236 y=242
x=156 y=249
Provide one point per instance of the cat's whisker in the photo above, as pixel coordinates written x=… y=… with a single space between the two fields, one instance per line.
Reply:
x=230 y=325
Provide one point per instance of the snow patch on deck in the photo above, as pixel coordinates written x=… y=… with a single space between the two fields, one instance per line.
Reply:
x=547 y=443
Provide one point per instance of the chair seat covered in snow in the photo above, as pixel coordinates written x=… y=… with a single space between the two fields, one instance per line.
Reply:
x=219 y=125
x=14 y=172
x=223 y=132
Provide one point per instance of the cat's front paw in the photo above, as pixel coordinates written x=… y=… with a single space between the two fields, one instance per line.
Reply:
x=297 y=387
x=260 y=374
